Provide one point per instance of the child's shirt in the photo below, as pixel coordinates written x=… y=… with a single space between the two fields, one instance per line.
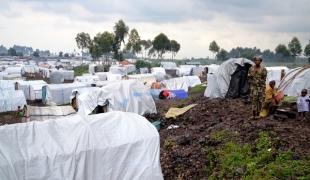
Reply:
x=303 y=104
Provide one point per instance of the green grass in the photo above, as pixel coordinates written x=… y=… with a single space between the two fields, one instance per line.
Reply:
x=199 y=89
x=80 y=70
x=259 y=160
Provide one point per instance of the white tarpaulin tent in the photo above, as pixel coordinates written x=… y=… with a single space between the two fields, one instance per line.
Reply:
x=103 y=76
x=181 y=82
x=30 y=69
x=67 y=74
x=126 y=95
x=59 y=94
x=274 y=74
x=296 y=80
x=184 y=70
x=159 y=73
x=122 y=70
x=2 y=74
x=212 y=68
x=218 y=82
x=7 y=85
x=10 y=100
x=112 y=146
x=12 y=77
x=32 y=89
x=14 y=70
x=168 y=65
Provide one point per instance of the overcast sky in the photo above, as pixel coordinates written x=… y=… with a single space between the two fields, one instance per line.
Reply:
x=53 y=24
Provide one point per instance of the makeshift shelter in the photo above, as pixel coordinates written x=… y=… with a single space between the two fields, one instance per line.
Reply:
x=212 y=68
x=66 y=74
x=56 y=77
x=168 y=65
x=181 y=83
x=32 y=89
x=274 y=74
x=295 y=80
x=10 y=100
x=30 y=69
x=126 y=95
x=103 y=76
x=159 y=73
x=229 y=80
x=3 y=74
x=7 y=85
x=122 y=70
x=185 y=70
x=114 y=77
x=14 y=70
x=59 y=94
x=114 y=145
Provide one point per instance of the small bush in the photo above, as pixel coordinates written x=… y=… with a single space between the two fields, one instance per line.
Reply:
x=80 y=70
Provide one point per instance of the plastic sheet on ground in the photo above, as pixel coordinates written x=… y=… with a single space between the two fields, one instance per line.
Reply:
x=10 y=100
x=175 y=112
x=218 y=82
x=126 y=95
x=112 y=146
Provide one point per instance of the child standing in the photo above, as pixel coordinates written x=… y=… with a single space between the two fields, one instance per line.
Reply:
x=303 y=104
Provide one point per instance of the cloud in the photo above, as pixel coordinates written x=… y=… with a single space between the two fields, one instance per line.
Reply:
x=52 y=24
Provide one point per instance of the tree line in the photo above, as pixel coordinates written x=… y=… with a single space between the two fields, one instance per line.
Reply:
x=109 y=44
x=282 y=52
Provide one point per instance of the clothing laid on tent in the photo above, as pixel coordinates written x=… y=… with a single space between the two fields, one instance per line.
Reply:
x=126 y=95
x=11 y=99
x=59 y=94
x=115 y=145
x=295 y=80
x=228 y=78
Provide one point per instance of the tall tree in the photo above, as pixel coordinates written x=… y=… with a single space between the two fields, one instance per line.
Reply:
x=120 y=32
x=12 y=52
x=134 y=42
x=83 y=41
x=222 y=55
x=214 y=47
x=174 y=48
x=307 y=51
x=161 y=44
x=60 y=54
x=94 y=51
x=295 y=47
x=103 y=44
x=146 y=45
x=282 y=50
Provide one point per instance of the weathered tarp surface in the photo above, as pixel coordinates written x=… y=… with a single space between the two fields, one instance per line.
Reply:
x=112 y=146
x=219 y=81
x=32 y=89
x=274 y=74
x=126 y=95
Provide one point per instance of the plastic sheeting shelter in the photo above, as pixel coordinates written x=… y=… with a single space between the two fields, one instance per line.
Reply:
x=67 y=74
x=7 y=85
x=49 y=112
x=112 y=146
x=185 y=70
x=219 y=83
x=274 y=73
x=212 y=68
x=89 y=79
x=10 y=100
x=14 y=70
x=182 y=83
x=32 y=89
x=122 y=70
x=168 y=65
x=30 y=69
x=159 y=73
x=59 y=94
x=12 y=77
x=296 y=80
x=126 y=95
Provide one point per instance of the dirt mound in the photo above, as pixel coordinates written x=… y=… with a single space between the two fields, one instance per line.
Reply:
x=183 y=149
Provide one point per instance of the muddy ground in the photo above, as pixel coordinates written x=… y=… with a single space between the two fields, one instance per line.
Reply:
x=182 y=149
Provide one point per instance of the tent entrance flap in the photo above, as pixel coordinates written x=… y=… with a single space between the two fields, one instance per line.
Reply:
x=239 y=85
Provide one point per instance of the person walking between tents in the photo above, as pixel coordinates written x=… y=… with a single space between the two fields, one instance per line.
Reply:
x=257 y=81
